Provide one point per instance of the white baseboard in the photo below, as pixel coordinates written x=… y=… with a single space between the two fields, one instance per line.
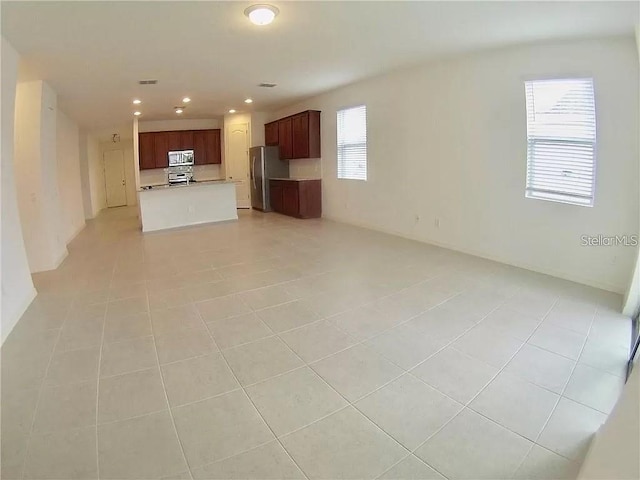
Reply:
x=76 y=233
x=554 y=273
x=13 y=320
x=60 y=259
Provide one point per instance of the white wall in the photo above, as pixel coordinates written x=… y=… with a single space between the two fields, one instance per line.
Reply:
x=84 y=175
x=447 y=141
x=613 y=453
x=17 y=287
x=36 y=175
x=96 y=175
x=69 y=176
x=178 y=124
x=632 y=297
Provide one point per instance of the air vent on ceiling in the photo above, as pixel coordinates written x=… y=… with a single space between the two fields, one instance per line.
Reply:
x=148 y=82
x=267 y=85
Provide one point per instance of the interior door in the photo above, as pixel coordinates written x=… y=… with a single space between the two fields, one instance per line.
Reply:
x=238 y=163
x=114 y=178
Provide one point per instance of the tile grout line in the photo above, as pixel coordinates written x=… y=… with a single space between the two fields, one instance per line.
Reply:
x=250 y=400
x=465 y=406
x=104 y=326
x=363 y=341
x=41 y=387
x=166 y=395
x=561 y=395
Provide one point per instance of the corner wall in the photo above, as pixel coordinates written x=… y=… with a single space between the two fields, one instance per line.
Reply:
x=95 y=169
x=447 y=158
x=632 y=298
x=37 y=176
x=17 y=287
x=69 y=176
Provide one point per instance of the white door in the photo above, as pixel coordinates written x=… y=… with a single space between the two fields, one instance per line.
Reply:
x=238 y=163
x=114 y=178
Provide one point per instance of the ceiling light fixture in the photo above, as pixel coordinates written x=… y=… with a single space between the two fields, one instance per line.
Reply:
x=137 y=114
x=261 y=14
x=248 y=100
x=179 y=111
x=186 y=100
x=137 y=101
x=232 y=111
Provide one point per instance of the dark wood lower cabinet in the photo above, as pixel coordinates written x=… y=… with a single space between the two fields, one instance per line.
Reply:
x=297 y=198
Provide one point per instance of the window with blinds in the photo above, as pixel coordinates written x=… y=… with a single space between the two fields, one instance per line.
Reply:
x=561 y=140
x=352 y=143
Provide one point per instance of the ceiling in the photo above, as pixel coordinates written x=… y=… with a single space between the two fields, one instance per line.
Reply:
x=93 y=53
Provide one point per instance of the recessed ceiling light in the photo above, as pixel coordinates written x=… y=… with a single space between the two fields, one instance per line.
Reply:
x=137 y=114
x=261 y=14
x=232 y=111
x=179 y=111
x=248 y=100
x=137 y=101
x=186 y=100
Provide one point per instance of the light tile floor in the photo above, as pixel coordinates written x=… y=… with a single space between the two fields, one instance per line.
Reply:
x=277 y=348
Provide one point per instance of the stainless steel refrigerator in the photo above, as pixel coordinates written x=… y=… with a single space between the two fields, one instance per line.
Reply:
x=265 y=163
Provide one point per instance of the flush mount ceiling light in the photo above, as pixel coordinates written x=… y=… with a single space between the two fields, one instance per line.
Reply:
x=137 y=101
x=186 y=100
x=248 y=100
x=261 y=14
x=137 y=114
x=232 y=111
x=179 y=111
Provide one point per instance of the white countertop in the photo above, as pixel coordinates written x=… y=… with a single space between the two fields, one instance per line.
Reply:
x=160 y=186
x=295 y=179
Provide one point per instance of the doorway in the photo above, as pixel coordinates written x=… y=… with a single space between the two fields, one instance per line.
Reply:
x=238 y=163
x=114 y=178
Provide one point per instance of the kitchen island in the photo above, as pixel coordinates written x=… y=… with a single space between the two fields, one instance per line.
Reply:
x=164 y=206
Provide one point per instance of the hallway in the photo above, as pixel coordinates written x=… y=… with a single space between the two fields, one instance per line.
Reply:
x=276 y=348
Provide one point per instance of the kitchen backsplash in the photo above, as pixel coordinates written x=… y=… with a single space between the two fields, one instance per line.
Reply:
x=305 y=168
x=200 y=172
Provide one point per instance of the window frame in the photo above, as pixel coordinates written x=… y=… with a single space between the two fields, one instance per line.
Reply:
x=555 y=195
x=355 y=145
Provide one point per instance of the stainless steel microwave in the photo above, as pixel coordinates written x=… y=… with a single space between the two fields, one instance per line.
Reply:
x=180 y=157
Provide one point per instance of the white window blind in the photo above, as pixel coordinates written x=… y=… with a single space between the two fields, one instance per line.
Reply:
x=352 y=143
x=561 y=140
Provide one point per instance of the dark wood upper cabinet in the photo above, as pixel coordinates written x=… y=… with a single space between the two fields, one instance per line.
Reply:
x=271 y=134
x=300 y=124
x=186 y=140
x=199 y=147
x=298 y=136
x=206 y=146
x=146 y=151
x=285 y=138
x=212 y=144
x=174 y=141
x=161 y=148
x=154 y=147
